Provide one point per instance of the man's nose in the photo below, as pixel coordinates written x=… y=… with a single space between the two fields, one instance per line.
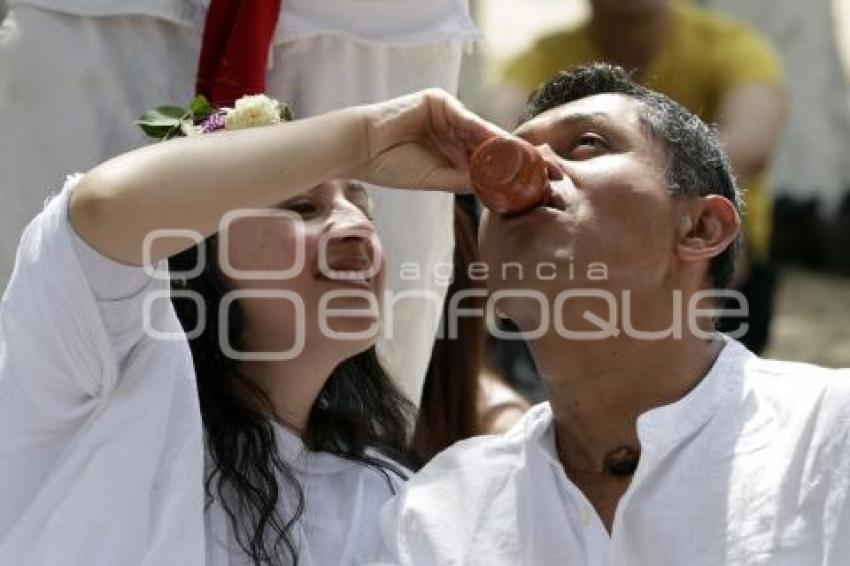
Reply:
x=561 y=181
x=554 y=164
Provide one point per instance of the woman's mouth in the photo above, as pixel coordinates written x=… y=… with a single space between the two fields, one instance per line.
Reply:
x=351 y=272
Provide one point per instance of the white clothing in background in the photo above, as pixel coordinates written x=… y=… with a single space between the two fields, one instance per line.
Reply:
x=74 y=74
x=101 y=450
x=811 y=161
x=752 y=467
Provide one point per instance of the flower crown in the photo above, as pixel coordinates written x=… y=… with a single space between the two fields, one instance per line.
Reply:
x=201 y=117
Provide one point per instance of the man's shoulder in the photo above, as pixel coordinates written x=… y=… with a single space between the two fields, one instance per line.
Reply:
x=782 y=377
x=438 y=515
x=795 y=391
x=482 y=461
x=503 y=449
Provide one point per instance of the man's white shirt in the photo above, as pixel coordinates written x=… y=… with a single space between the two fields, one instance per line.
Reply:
x=751 y=467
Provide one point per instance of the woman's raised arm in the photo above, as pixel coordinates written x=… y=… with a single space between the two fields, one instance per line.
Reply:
x=419 y=141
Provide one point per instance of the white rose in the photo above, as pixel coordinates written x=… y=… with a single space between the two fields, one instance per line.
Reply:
x=189 y=129
x=250 y=111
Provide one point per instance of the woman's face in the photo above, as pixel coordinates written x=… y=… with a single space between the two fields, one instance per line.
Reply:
x=314 y=256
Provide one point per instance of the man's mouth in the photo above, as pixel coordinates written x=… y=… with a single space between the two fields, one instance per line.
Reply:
x=556 y=199
x=551 y=209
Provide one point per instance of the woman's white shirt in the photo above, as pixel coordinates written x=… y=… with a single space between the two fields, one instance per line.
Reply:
x=340 y=523
x=101 y=445
x=100 y=433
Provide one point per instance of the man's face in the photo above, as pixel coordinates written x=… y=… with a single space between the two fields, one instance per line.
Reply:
x=612 y=215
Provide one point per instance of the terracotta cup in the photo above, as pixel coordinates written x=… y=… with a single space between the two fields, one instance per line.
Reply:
x=509 y=175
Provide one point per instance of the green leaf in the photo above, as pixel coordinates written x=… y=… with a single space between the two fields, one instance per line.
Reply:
x=162 y=116
x=286 y=112
x=159 y=132
x=162 y=122
x=201 y=107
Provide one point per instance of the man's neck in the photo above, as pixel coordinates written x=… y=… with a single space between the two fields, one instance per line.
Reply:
x=631 y=43
x=598 y=389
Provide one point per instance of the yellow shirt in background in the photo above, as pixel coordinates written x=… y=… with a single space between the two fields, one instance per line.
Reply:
x=705 y=57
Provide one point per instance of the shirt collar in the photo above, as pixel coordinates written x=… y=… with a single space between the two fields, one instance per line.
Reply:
x=670 y=424
x=296 y=454
x=667 y=425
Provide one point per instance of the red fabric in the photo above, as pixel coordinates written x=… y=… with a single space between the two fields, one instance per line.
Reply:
x=235 y=49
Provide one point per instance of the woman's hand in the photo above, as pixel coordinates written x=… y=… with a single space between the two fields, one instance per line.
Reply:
x=421 y=141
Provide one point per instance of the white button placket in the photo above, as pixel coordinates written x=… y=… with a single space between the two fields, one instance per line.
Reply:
x=585 y=515
x=619 y=553
x=595 y=538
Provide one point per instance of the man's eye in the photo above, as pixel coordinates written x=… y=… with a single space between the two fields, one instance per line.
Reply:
x=591 y=140
x=587 y=146
x=303 y=207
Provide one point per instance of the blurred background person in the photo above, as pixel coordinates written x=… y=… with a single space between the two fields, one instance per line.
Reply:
x=810 y=172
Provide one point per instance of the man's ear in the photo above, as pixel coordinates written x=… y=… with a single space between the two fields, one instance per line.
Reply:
x=710 y=224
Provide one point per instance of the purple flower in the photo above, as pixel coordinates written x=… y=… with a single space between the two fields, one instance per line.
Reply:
x=214 y=122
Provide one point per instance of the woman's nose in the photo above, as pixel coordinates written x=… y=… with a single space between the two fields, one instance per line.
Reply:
x=351 y=234
x=347 y=217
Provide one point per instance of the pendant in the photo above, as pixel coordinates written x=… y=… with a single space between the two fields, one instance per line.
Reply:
x=622 y=461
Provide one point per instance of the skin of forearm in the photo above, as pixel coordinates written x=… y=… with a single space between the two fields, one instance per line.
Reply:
x=190 y=183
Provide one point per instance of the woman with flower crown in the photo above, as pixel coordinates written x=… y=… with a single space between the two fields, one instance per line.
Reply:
x=248 y=422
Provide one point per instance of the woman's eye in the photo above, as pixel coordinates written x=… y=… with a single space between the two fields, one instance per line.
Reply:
x=302 y=208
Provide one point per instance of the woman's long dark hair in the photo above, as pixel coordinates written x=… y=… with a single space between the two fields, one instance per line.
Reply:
x=358 y=408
